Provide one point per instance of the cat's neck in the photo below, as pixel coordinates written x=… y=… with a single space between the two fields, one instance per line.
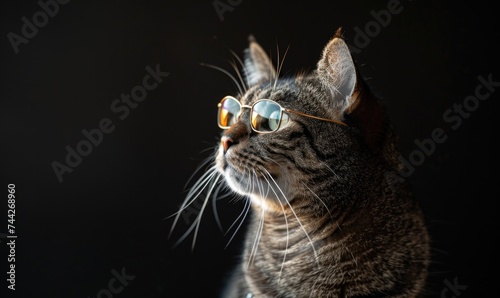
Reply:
x=281 y=247
x=300 y=223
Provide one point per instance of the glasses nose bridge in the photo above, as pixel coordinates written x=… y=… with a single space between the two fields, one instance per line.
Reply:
x=242 y=106
x=246 y=106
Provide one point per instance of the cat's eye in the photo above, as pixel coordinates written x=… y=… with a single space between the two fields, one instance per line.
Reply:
x=265 y=115
x=229 y=110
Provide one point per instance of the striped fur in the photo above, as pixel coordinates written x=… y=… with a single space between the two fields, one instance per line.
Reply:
x=325 y=221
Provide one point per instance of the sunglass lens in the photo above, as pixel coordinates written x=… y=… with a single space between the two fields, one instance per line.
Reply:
x=266 y=116
x=228 y=112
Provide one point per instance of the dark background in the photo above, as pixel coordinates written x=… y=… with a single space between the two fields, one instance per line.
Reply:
x=110 y=212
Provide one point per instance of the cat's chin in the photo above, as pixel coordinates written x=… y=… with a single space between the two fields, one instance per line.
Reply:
x=259 y=189
x=236 y=181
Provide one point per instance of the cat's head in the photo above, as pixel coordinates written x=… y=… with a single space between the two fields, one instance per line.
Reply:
x=274 y=159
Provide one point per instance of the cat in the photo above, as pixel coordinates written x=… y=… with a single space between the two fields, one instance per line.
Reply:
x=313 y=154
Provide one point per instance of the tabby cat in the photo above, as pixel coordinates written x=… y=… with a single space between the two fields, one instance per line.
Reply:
x=312 y=154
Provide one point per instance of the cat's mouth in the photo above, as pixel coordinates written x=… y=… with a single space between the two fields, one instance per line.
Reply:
x=250 y=178
x=246 y=182
x=267 y=187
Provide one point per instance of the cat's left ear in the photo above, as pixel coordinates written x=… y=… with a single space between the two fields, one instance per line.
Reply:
x=258 y=66
x=337 y=72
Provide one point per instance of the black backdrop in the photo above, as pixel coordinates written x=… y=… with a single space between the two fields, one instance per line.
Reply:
x=63 y=70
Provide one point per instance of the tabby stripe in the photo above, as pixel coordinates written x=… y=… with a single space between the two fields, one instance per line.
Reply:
x=318 y=152
x=285 y=155
x=291 y=158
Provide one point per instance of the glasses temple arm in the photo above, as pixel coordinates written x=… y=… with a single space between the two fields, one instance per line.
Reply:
x=315 y=117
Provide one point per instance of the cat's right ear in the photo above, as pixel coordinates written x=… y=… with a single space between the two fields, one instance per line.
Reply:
x=258 y=66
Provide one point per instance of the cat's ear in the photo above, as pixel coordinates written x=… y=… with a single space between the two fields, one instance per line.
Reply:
x=337 y=72
x=258 y=66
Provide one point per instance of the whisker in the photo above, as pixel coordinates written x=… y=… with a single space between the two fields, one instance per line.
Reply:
x=242 y=65
x=247 y=205
x=322 y=202
x=243 y=213
x=216 y=198
x=237 y=70
x=336 y=222
x=184 y=236
x=298 y=220
x=331 y=170
x=194 y=193
x=279 y=64
x=287 y=230
x=198 y=218
x=240 y=89
x=204 y=162
x=198 y=188
x=253 y=251
x=238 y=73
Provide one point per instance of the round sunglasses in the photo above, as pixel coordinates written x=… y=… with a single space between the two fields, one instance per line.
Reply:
x=265 y=115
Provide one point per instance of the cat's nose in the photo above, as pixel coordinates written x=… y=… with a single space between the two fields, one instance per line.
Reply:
x=234 y=135
x=226 y=143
